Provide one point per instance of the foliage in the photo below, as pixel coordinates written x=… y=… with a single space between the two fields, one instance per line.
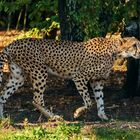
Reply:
x=38 y=12
x=117 y=134
x=34 y=33
x=61 y=132
x=66 y=132
x=29 y=14
x=97 y=18
x=90 y=18
x=38 y=33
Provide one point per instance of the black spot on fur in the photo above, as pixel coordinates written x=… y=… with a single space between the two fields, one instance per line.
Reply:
x=97 y=90
x=97 y=98
x=3 y=98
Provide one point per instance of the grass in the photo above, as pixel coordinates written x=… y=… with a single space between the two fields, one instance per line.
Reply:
x=117 y=134
x=65 y=132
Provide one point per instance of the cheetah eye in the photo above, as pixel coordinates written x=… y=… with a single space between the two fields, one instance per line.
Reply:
x=126 y=51
x=134 y=46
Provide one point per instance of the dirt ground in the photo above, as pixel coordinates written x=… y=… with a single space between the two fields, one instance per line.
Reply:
x=62 y=98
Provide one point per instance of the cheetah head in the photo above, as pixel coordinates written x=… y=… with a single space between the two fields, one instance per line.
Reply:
x=130 y=47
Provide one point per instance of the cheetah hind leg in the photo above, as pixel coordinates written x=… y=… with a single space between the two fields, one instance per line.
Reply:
x=16 y=80
x=39 y=86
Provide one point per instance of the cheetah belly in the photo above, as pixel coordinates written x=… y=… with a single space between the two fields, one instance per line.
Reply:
x=52 y=72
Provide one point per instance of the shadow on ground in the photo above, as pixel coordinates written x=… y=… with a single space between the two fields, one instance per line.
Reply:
x=62 y=98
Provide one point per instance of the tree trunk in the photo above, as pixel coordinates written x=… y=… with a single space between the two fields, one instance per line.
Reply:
x=133 y=66
x=70 y=30
x=132 y=77
x=138 y=82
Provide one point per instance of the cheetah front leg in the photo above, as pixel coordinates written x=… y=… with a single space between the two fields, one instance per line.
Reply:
x=81 y=85
x=97 y=87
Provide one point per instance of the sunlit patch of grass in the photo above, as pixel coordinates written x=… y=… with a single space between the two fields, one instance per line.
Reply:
x=117 y=134
x=6 y=128
x=60 y=132
x=68 y=132
x=5 y=123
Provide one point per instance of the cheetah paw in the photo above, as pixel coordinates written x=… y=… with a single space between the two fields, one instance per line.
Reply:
x=103 y=116
x=56 y=118
x=79 y=111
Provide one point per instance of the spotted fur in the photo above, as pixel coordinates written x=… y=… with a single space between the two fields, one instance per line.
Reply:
x=82 y=62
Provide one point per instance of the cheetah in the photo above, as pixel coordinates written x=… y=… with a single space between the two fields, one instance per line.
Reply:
x=90 y=61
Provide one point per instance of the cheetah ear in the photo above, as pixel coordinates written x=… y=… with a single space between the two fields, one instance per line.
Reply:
x=116 y=35
x=123 y=41
x=126 y=39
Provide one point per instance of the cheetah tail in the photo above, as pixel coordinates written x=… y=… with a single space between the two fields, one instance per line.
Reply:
x=3 y=59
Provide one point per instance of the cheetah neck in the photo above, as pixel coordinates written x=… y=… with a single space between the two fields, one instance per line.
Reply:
x=119 y=45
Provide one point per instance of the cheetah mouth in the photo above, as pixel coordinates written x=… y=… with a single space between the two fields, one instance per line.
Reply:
x=136 y=57
x=122 y=55
x=126 y=55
